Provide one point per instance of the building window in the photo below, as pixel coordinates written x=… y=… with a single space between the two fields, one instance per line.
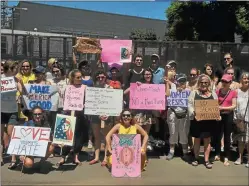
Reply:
x=3 y=45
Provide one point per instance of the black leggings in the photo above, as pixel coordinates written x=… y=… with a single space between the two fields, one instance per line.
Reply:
x=225 y=126
x=80 y=136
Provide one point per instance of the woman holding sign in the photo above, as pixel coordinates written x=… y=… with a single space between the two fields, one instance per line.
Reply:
x=200 y=127
x=9 y=108
x=127 y=126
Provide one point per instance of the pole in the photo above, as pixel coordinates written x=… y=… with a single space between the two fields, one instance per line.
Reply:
x=12 y=31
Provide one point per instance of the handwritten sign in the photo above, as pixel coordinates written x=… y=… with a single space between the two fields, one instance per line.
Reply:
x=8 y=84
x=147 y=96
x=115 y=51
x=29 y=141
x=64 y=130
x=178 y=98
x=44 y=96
x=207 y=110
x=74 y=97
x=126 y=155
x=103 y=101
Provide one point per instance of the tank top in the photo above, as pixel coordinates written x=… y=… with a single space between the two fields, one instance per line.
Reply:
x=198 y=97
x=130 y=130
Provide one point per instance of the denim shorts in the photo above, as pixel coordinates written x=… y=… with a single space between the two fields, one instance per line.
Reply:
x=9 y=118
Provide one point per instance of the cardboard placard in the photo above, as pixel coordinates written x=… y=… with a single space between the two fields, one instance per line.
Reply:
x=8 y=84
x=147 y=96
x=29 y=141
x=64 y=130
x=207 y=110
x=126 y=155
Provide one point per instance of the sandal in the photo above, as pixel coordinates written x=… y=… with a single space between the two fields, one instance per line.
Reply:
x=195 y=162
x=78 y=163
x=12 y=165
x=60 y=163
x=104 y=164
x=226 y=162
x=216 y=158
x=93 y=162
x=208 y=165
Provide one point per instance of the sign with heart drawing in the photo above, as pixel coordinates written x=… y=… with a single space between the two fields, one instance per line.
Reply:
x=29 y=141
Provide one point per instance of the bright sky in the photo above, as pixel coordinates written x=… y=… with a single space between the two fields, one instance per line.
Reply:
x=155 y=10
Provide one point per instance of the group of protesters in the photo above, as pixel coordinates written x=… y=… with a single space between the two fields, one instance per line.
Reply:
x=227 y=84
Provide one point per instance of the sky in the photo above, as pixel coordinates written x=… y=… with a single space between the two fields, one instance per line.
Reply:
x=154 y=10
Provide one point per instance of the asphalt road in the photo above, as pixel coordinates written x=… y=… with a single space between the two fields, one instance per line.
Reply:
x=159 y=172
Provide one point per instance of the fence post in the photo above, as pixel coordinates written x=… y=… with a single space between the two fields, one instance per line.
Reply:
x=48 y=48
x=64 y=50
x=24 y=46
x=15 y=44
x=40 y=50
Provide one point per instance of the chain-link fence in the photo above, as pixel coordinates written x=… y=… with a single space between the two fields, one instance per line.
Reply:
x=187 y=54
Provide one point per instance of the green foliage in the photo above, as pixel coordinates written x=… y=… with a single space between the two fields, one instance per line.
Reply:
x=140 y=34
x=207 y=21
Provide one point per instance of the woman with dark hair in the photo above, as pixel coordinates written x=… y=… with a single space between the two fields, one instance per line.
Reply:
x=75 y=79
x=209 y=70
x=127 y=126
x=98 y=122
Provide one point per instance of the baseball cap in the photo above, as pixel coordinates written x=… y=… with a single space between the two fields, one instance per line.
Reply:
x=227 y=78
x=39 y=69
x=155 y=55
x=181 y=78
x=114 y=66
x=171 y=63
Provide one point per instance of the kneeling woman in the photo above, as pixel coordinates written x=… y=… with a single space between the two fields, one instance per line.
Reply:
x=38 y=120
x=127 y=126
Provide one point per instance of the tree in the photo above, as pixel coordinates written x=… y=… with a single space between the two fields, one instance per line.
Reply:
x=207 y=21
x=141 y=34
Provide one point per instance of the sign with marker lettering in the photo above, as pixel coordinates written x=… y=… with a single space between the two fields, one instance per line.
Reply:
x=29 y=141
x=126 y=155
x=147 y=96
x=8 y=84
x=41 y=95
x=103 y=101
x=178 y=98
x=207 y=110
x=74 y=97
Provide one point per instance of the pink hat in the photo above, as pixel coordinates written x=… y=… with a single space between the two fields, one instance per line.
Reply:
x=227 y=78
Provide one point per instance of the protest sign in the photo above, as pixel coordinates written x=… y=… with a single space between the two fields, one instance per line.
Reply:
x=178 y=98
x=126 y=155
x=64 y=130
x=29 y=141
x=103 y=101
x=44 y=96
x=8 y=84
x=74 y=98
x=88 y=45
x=207 y=110
x=147 y=96
x=115 y=51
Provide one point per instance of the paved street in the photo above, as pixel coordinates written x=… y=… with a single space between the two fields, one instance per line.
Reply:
x=159 y=172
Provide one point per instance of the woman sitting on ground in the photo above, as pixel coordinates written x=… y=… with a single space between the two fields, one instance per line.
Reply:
x=127 y=126
x=37 y=120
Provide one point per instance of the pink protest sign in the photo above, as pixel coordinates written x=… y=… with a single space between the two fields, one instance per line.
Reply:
x=116 y=51
x=74 y=97
x=147 y=96
x=126 y=155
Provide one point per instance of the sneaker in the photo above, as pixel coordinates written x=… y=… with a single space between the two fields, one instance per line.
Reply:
x=90 y=145
x=222 y=149
x=170 y=156
x=247 y=165
x=238 y=162
x=212 y=149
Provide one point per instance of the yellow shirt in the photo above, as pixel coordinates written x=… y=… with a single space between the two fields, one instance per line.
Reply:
x=130 y=130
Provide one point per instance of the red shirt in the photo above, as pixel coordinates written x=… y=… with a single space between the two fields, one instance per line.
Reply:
x=228 y=100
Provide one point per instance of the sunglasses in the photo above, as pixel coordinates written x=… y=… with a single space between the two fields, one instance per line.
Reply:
x=78 y=77
x=101 y=77
x=227 y=58
x=225 y=81
x=230 y=73
x=56 y=71
x=193 y=75
x=204 y=83
x=126 y=115
x=25 y=66
x=37 y=114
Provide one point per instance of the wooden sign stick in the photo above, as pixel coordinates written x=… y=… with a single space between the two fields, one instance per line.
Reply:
x=23 y=164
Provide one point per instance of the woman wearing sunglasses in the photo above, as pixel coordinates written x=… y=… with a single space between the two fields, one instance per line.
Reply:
x=227 y=102
x=127 y=126
x=201 y=129
x=75 y=79
x=38 y=119
x=9 y=108
x=193 y=77
x=100 y=122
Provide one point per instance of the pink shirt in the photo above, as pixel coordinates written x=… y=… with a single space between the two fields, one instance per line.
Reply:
x=228 y=101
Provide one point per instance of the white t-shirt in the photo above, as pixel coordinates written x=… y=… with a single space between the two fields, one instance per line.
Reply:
x=242 y=101
x=62 y=84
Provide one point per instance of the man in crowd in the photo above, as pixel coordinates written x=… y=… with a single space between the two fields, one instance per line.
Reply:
x=158 y=72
